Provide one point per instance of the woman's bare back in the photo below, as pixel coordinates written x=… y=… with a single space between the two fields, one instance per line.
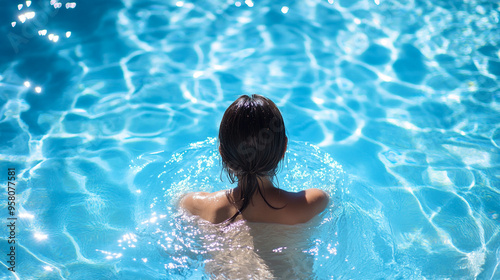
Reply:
x=293 y=207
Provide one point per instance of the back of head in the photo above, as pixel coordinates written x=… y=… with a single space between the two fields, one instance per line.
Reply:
x=252 y=137
x=252 y=142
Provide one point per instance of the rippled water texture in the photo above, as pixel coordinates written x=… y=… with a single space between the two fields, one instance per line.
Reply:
x=403 y=94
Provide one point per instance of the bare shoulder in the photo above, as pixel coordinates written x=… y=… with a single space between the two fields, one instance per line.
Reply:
x=193 y=202
x=309 y=203
x=209 y=206
x=316 y=196
x=317 y=200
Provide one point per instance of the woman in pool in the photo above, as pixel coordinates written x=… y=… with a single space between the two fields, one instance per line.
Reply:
x=252 y=142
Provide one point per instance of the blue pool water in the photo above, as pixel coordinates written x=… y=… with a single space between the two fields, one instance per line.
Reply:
x=108 y=111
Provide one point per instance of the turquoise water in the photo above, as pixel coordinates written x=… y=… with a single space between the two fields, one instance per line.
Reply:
x=101 y=101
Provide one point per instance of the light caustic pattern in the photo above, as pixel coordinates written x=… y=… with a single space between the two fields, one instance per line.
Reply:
x=404 y=94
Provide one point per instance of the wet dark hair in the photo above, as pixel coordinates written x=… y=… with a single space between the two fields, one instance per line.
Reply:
x=252 y=142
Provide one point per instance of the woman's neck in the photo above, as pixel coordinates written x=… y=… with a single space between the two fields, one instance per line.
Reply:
x=265 y=185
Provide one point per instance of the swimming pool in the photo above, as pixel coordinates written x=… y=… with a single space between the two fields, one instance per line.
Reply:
x=109 y=109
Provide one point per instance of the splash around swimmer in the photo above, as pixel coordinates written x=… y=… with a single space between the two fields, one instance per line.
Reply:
x=252 y=143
